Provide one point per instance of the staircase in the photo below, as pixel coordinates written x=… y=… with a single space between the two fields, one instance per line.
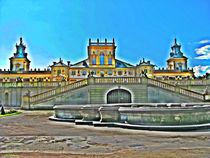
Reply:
x=176 y=89
x=38 y=98
x=153 y=82
x=43 y=97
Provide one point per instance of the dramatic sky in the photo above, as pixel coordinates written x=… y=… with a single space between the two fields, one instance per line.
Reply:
x=142 y=28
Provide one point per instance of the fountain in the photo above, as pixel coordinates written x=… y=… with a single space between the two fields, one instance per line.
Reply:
x=149 y=116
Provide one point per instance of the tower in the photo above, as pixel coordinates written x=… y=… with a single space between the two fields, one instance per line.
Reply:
x=177 y=60
x=19 y=62
x=101 y=54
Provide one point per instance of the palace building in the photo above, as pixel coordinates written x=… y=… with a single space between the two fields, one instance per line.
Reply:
x=101 y=62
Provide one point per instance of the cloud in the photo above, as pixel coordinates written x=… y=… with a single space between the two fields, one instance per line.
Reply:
x=204 y=41
x=201 y=70
x=203 y=52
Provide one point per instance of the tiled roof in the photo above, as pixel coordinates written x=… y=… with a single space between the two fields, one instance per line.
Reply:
x=122 y=64
x=85 y=64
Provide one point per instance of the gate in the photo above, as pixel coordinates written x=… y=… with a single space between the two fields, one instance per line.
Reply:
x=118 y=96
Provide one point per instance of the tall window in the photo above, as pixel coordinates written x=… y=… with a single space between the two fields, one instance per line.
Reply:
x=94 y=60
x=110 y=61
x=58 y=72
x=102 y=59
x=73 y=73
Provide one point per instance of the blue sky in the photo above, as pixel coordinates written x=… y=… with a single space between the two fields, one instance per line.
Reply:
x=142 y=28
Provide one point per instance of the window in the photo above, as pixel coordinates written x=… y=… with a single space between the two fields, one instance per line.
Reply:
x=119 y=73
x=130 y=73
x=94 y=60
x=78 y=73
x=110 y=61
x=102 y=59
x=84 y=73
x=94 y=72
x=110 y=72
x=102 y=74
x=58 y=72
x=73 y=73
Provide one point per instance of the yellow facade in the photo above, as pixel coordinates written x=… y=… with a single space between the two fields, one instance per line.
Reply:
x=101 y=54
x=60 y=71
x=175 y=63
x=145 y=68
x=101 y=62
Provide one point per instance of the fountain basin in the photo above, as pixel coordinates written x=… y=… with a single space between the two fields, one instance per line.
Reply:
x=150 y=116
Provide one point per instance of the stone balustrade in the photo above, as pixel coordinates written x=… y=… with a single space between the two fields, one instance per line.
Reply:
x=32 y=84
x=176 y=89
x=115 y=80
x=57 y=91
x=187 y=82
x=157 y=83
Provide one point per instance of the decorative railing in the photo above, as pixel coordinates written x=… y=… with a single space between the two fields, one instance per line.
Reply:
x=32 y=84
x=59 y=90
x=196 y=82
x=176 y=88
x=161 y=84
x=111 y=80
x=140 y=80
x=114 y=80
x=187 y=82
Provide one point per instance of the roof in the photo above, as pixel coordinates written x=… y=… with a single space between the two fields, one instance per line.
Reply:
x=85 y=64
x=20 y=51
x=60 y=63
x=176 y=51
x=145 y=63
x=122 y=64
x=81 y=64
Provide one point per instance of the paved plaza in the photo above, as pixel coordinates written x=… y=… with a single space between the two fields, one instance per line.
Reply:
x=31 y=134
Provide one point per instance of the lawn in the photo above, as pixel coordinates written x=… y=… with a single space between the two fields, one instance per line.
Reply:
x=10 y=114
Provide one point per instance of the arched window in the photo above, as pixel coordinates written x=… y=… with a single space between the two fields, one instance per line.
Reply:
x=93 y=60
x=110 y=60
x=102 y=59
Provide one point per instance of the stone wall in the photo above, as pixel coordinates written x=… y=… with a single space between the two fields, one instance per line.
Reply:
x=92 y=94
x=158 y=95
x=12 y=96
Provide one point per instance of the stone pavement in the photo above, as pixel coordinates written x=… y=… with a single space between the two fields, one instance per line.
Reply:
x=31 y=134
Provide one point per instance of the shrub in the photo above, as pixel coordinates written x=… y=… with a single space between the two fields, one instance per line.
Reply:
x=11 y=111
x=2 y=110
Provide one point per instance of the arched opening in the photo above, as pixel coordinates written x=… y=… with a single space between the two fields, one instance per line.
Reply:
x=118 y=96
x=102 y=59
x=6 y=99
x=94 y=59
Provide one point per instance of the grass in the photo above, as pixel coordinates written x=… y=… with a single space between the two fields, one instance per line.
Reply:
x=11 y=114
